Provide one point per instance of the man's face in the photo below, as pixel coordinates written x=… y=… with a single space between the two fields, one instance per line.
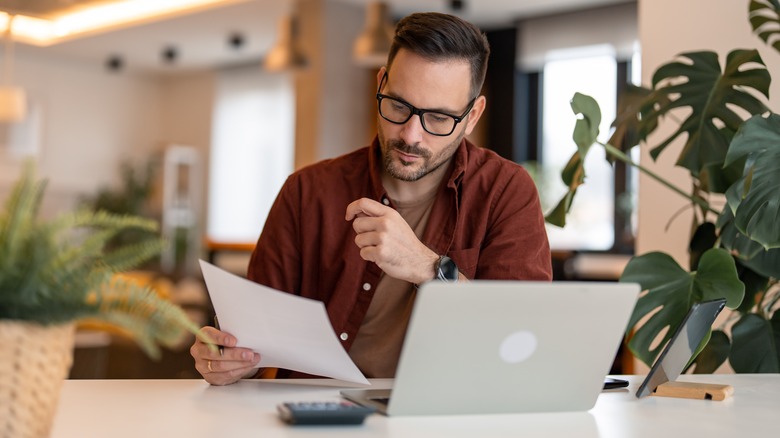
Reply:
x=408 y=151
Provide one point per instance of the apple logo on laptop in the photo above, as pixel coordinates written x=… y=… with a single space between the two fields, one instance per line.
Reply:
x=517 y=347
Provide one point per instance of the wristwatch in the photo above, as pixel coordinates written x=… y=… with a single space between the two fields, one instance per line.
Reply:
x=446 y=269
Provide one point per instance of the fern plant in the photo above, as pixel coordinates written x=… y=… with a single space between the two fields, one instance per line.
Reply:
x=60 y=271
x=732 y=149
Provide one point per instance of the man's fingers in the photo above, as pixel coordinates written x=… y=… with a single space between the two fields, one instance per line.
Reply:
x=221 y=366
x=369 y=254
x=220 y=337
x=367 y=224
x=365 y=206
x=363 y=240
x=229 y=355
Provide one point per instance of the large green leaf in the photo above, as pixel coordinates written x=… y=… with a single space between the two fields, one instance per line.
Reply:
x=704 y=238
x=634 y=105
x=714 y=354
x=766 y=263
x=765 y=21
x=717 y=178
x=671 y=291
x=750 y=254
x=755 y=287
x=586 y=130
x=696 y=82
x=753 y=345
x=755 y=199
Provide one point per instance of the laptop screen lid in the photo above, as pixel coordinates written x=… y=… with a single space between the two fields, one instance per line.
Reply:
x=508 y=346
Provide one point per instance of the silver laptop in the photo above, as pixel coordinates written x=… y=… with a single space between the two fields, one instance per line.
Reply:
x=486 y=347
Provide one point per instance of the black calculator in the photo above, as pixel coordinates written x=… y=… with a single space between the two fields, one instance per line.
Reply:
x=329 y=412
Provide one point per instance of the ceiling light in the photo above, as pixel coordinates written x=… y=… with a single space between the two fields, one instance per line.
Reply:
x=103 y=16
x=169 y=54
x=236 y=40
x=457 y=5
x=285 y=54
x=372 y=46
x=115 y=63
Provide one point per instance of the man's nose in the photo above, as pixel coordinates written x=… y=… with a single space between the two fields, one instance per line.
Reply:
x=412 y=131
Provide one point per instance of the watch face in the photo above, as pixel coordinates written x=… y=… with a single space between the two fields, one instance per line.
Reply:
x=446 y=269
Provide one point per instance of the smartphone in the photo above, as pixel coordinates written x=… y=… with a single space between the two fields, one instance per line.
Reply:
x=612 y=383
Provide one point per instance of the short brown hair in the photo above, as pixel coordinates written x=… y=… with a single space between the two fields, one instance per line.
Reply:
x=436 y=36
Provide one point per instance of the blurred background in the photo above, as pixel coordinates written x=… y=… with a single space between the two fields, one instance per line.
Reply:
x=194 y=112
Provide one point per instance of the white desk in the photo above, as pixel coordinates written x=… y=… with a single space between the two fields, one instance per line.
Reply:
x=192 y=409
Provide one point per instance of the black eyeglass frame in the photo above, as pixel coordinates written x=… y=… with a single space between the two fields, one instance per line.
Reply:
x=417 y=111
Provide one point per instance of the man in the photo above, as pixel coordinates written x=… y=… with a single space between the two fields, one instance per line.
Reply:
x=361 y=231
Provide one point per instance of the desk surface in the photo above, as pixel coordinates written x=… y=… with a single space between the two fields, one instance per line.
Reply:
x=192 y=408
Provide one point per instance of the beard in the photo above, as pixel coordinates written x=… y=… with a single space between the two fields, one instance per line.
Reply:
x=413 y=171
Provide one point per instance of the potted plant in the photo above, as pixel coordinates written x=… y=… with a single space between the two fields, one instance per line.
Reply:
x=54 y=274
x=130 y=197
x=732 y=150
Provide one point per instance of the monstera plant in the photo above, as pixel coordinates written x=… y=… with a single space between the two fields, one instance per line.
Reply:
x=732 y=150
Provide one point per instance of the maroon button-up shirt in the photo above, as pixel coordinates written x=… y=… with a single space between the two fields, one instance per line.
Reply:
x=486 y=217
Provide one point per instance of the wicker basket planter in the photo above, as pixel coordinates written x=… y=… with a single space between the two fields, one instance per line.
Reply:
x=34 y=361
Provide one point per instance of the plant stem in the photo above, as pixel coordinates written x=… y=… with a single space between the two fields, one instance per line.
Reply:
x=617 y=153
x=775 y=297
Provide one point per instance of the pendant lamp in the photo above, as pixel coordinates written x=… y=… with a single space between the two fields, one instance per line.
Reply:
x=372 y=46
x=286 y=54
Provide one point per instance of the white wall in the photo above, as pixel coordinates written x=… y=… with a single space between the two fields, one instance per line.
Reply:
x=666 y=28
x=91 y=120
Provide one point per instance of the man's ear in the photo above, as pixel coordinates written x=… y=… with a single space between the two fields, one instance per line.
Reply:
x=380 y=74
x=475 y=114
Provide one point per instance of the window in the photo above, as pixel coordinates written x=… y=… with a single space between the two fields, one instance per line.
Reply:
x=251 y=151
x=591 y=51
x=592 y=71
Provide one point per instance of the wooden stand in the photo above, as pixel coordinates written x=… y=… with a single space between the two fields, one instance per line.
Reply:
x=699 y=391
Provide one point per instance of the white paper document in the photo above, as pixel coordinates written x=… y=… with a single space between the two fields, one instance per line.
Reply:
x=287 y=331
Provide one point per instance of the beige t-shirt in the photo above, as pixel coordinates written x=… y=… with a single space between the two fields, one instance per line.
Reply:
x=378 y=343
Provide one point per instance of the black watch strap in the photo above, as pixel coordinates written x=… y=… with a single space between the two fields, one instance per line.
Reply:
x=446 y=269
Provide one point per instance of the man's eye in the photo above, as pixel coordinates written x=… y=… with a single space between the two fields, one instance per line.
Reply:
x=398 y=106
x=437 y=118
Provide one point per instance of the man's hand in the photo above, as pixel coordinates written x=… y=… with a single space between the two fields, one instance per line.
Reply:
x=226 y=366
x=385 y=238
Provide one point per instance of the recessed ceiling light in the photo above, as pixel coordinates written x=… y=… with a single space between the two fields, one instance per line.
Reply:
x=236 y=40
x=98 y=18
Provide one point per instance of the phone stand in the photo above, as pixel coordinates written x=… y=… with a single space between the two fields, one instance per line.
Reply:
x=698 y=391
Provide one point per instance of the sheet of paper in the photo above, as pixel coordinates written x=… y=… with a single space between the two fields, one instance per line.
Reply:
x=288 y=331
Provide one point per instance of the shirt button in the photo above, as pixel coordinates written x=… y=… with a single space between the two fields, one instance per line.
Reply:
x=366 y=287
x=385 y=201
x=344 y=336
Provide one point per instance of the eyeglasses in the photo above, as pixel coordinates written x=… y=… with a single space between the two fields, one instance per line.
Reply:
x=433 y=122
